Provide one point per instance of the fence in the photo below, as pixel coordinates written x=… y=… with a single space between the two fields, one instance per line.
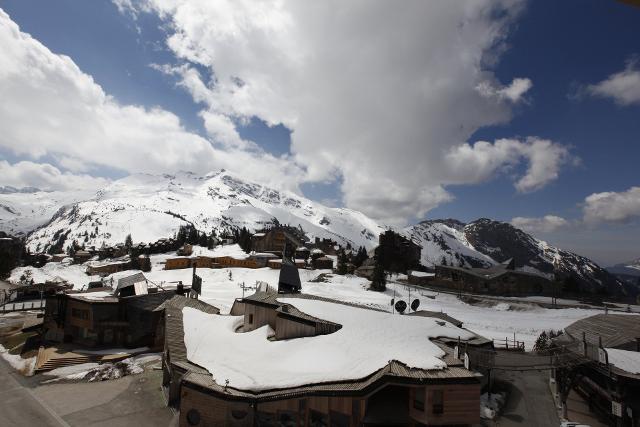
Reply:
x=22 y=306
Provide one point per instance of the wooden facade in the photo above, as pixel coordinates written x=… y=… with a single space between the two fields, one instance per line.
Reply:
x=494 y=281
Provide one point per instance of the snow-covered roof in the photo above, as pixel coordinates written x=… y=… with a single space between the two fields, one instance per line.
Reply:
x=366 y=343
x=421 y=274
x=626 y=360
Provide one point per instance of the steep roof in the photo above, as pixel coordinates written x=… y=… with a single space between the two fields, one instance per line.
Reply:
x=615 y=329
x=130 y=281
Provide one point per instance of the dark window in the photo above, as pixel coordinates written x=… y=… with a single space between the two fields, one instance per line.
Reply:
x=238 y=414
x=251 y=319
x=266 y=419
x=437 y=401
x=318 y=419
x=80 y=314
x=193 y=417
x=287 y=419
x=418 y=399
x=339 y=420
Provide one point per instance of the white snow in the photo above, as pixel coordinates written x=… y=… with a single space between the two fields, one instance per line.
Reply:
x=56 y=271
x=491 y=405
x=367 y=341
x=25 y=366
x=110 y=351
x=624 y=359
x=421 y=274
x=73 y=370
x=150 y=207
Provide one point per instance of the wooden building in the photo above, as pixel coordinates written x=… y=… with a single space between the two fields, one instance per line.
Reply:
x=104 y=317
x=322 y=263
x=394 y=395
x=502 y=279
x=275 y=240
x=107 y=268
x=420 y=278
x=608 y=375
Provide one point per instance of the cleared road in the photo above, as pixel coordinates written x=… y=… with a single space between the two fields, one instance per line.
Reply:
x=18 y=406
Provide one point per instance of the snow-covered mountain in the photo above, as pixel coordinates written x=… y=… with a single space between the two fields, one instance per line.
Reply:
x=631 y=268
x=24 y=209
x=150 y=207
x=485 y=242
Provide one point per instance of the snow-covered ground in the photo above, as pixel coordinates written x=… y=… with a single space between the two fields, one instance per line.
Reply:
x=492 y=319
x=367 y=341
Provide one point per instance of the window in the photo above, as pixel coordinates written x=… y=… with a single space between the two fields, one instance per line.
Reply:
x=418 y=399
x=437 y=406
x=287 y=419
x=339 y=420
x=251 y=319
x=266 y=419
x=80 y=314
x=318 y=419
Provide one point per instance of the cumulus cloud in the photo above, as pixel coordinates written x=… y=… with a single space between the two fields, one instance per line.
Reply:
x=50 y=107
x=379 y=101
x=468 y=163
x=623 y=87
x=46 y=177
x=612 y=206
x=545 y=224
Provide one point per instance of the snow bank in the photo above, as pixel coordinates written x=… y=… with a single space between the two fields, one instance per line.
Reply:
x=56 y=271
x=366 y=343
x=624 y=359
x=24 y=366
x=490 y=406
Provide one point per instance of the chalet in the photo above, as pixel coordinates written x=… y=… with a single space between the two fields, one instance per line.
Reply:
x=179 y=262
x=276 y=264
x=104 y=317
x=501 y=279
x=262 y=258
x=420 y=278
x=276 y=239
x=392 y=394
x=107 y=268
x=366 y=269
x=82 y=256
x=185 y=250
x=58 y=257
x=322 y=263
x=302 y=252
x=608 y=377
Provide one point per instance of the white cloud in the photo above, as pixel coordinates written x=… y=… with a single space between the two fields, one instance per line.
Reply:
x=379 y=100
x=50 y=107
x=545 y=224
x=612 y=206
x=46 y=177
x=514 y=92
x=622 y=87
x=478 y=162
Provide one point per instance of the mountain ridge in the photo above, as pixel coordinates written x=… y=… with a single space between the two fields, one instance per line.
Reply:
x=150 y=207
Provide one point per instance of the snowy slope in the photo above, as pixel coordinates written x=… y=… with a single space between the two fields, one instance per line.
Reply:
x=445 y=241
x=631 y=268
x=150 y=207
x=24 y=210
x=485 y=242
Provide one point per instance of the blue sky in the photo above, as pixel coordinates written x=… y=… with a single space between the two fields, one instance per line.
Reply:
x=561 y=47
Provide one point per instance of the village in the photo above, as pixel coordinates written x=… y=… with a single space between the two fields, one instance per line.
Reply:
x=274 y=329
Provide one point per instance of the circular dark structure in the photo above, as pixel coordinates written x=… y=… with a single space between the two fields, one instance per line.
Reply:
x=193 y=417
x=401 y=306
x=415 y=304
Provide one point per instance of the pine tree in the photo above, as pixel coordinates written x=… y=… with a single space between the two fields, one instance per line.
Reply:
x=128 y=241
x=342 y=262
x=542 y=343
x=379 y=278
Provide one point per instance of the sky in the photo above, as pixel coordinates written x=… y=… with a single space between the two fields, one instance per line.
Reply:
x=520 y=111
